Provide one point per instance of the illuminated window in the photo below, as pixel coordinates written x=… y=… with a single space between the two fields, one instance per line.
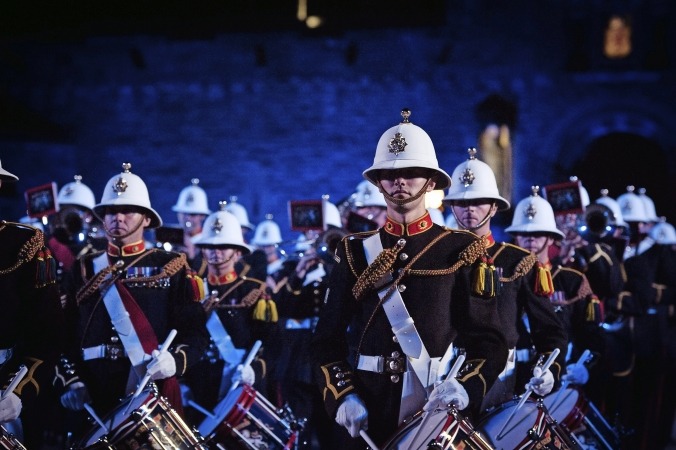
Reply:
x=617 y=37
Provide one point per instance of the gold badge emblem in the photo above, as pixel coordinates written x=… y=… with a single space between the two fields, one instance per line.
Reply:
x=397 y=144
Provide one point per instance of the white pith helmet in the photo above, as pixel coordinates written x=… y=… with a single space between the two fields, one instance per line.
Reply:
x=127 y=189
x=303 y=244
x=474 y=179
x=368 y=195
x=663 y=233
x=76 y=193
x=406 y=145
x=534 y=214
x=331 y=214
x=239 y=211
x=613 y=206
x=437 y=216
x=267 y=233
x=222 y=229
x=6 y=176
x=632 y=207
x=649 y=205
x=192 y=200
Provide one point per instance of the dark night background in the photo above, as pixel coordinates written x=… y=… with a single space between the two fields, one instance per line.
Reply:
x=246 y=97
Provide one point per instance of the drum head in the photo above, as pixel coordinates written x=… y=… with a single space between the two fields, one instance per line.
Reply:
x=222 y=410
x=117 y=417
x=561 y=403
x=417 y=433
x=517 y=429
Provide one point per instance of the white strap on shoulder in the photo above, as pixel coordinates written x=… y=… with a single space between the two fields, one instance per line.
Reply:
x=120 y=318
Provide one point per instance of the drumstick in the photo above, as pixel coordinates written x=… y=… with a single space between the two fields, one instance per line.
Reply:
x=526 y=394
x=201 y=409
x=247 y=362
x=146 y=377
x=368 y=440
x=92 y=413
x=564 y=384
x=451 y=374
x=23 y=370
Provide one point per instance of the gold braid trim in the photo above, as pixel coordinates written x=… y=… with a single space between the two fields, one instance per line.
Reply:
x=376 y=270
x=249 y=299
x=27 y=251
x=467 y=256
x=169 y=269
x=522 y=268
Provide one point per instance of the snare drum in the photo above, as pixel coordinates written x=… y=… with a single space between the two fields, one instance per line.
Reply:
x=245 y=419
x=530 y=427
x=145 y=422
x=9 y=441
x=438 y=429
x=573 y=410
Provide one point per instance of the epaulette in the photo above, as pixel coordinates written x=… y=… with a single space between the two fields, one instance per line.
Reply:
x=34 y=248
x=255 y=280
x=523 y=266
x=570 y=269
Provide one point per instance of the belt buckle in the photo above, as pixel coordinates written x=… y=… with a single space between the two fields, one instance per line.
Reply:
x=394 y=364
x=114 y=352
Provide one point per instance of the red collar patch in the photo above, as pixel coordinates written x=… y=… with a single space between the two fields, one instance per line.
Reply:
x=418 y=226
x=126 y=250
x=227 y=278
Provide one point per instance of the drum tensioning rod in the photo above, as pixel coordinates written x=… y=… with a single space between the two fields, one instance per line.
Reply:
x=526 y=394
x=451 y=374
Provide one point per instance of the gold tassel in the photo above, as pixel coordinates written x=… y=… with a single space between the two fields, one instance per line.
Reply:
x=594 y=312
x=485 y=282
x=544 y=285
x=266 y=310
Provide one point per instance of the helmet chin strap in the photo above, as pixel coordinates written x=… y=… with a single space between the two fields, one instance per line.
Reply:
x=479 y=225
x=401 y=202
x=132 y=231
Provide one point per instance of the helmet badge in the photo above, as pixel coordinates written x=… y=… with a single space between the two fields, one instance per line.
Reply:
x=531 y=211
x=398 y=142
x=190 y=199
x=121 y=184
x=217 y=226
x=467 y=176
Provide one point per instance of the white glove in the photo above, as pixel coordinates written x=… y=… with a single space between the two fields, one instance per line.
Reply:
x=541 y=383
x=244 y=374
x=162 y=365
x=10 y=408
x=76 y=397
x=352 y=415
x=448 y=392
x=576 y=374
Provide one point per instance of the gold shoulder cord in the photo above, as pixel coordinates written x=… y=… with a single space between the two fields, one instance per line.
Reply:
x=169 y=269
x=522 y=268
x=27 y=251
x=467 y=257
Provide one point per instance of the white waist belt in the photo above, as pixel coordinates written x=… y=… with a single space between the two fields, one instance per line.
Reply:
x=300 y=324
x=103 y=351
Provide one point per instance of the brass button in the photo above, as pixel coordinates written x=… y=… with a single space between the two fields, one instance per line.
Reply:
x=403 y=256
x=396 y=354
x=395 y=340
x=394 y=378
x=401 y=287
x=401 y=242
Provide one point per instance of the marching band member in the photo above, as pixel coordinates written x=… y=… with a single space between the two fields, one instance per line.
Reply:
x=125 y=301
x=534 y=228
x=401 y=303
x=522 y=286
x=239 y=312
x=299 y=302
x=191 y=208
x=31 y=329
